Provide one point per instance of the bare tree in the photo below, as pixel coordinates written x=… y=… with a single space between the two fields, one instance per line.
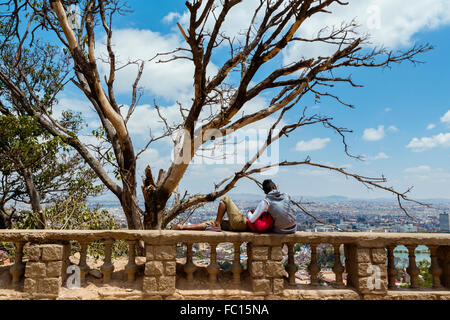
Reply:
x=274 y=26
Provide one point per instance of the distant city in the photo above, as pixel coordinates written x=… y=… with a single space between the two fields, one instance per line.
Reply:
x=337 y=213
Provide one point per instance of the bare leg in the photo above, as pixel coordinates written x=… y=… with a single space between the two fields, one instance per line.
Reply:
x=199 y=226
x=220 y=213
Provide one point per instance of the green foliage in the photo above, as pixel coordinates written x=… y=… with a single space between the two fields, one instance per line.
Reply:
x=325 y=256
x=425 y=277
x=424 y=280
x=224 y=265
x=7 y=252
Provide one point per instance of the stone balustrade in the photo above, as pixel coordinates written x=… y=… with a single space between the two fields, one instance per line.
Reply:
x=42 y=259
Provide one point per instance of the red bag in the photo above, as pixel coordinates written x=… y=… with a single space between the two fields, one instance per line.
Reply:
x=263 y=223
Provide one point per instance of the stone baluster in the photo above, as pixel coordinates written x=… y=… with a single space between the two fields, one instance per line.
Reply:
x=313 y=266
x=443 y=259
x=107 y=268
x=236 y=267
x=391 y=270
x=189 y=266
x=412 y=269
x=18 y=269
x=84 y=268
x=291 y=267
x=131 y=267
x=338 y=268
x=348 y=265
x=434 y=269
x=249 y=256
x=213 y=268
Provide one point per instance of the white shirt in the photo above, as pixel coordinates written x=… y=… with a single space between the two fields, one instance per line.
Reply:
x=263 y=205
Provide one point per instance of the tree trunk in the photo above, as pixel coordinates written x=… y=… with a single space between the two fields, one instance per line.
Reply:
x=4 y=221
x=35 y=198
x=155 y=203
x=131 y=210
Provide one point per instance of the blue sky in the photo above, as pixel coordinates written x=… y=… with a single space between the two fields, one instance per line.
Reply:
x=403 y=106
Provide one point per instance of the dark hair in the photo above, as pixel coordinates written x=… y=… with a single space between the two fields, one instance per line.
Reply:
x=268 y=185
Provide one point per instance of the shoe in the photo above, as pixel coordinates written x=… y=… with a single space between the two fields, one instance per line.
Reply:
x=211 y=228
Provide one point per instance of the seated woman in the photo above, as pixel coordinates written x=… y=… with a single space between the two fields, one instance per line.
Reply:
x=274 y=210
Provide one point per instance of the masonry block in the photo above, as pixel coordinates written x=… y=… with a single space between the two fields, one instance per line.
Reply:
x=154 y=268
x=149 y=252
x=257 y=270
x=363 y=255
x=378 y=255
x=52 y=252
x=367 y=285
x=30 y=285
x=35 y=270
x=261 y=286
x=274 y=269
x=49 y=286
x=260 y=253
x=170 y=268
x=150 y=285
x=54 y=269
x=166 y=285
x=34 y=253
x=165 y=252
x=278 y=286
x=276 y=254
x=364 y=269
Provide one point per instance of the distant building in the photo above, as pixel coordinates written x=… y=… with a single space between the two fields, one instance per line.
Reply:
x=335 y=221
x=402 y=228
x=444 y=222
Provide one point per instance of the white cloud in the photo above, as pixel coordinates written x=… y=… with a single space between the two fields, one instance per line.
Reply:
x=388 y=109
x=169 y=80
x=446 y=118
x=425 y=173
x=393 y=129
x=236 y=22
x=419 y=169
x=145 y=117
x=388 y=22
x=153 y=158
x=171 y=16
x=422 y=144
x=379 y=156
x=75 y=105
x=313 y=144
x=431 y=126
x=372 y=134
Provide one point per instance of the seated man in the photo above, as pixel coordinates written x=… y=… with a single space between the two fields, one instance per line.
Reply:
x=277 y=204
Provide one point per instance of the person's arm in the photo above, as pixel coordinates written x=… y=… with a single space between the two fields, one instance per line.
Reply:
x=262 y=206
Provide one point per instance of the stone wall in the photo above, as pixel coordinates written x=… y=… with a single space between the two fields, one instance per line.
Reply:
x=370 y=272
x=368 y=265
x=267 y=270
x=160 y=271
x=44 y=270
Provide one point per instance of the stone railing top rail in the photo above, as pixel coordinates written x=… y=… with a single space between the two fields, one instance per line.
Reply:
x=173 y=236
